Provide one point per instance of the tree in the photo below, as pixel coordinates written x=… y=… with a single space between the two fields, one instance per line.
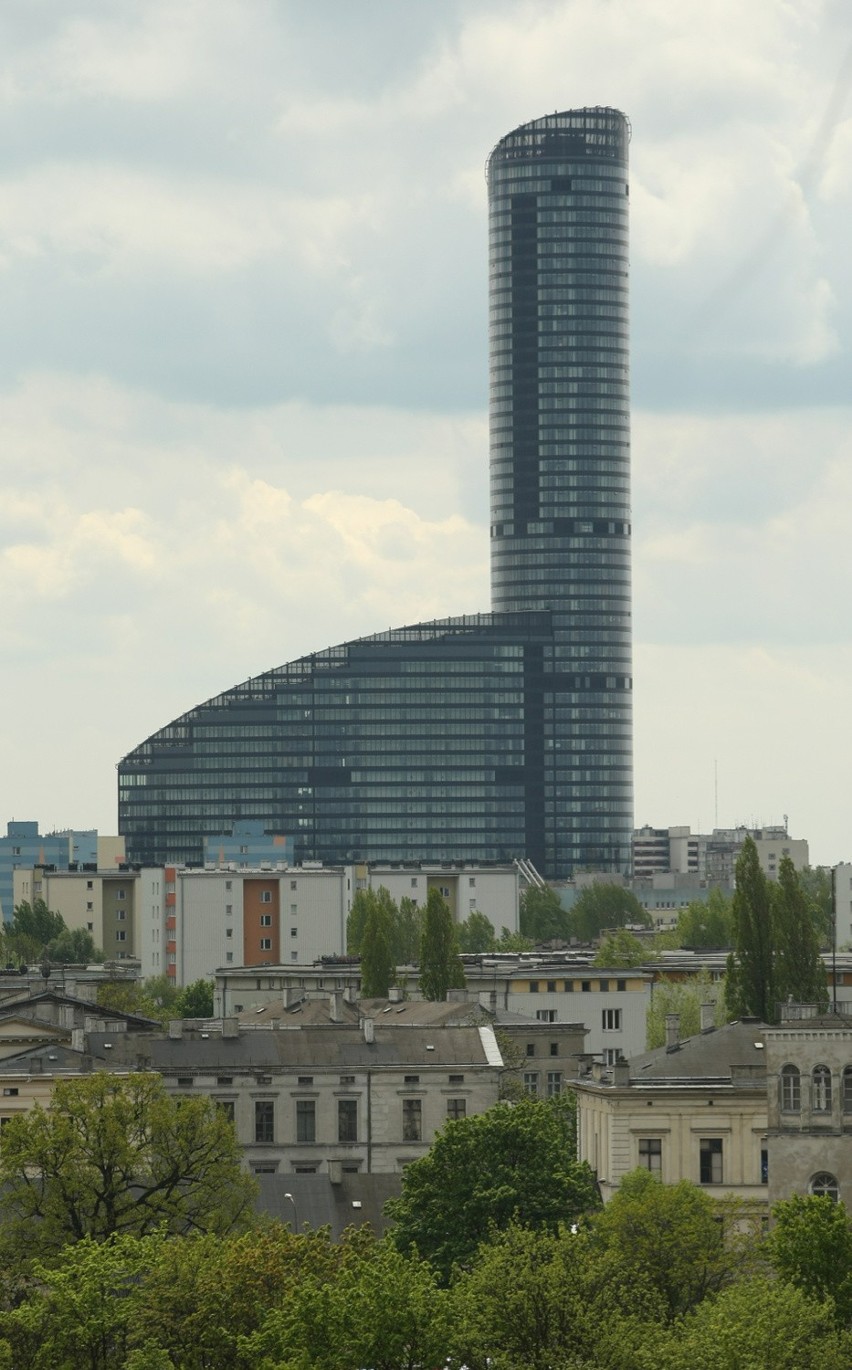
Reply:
x=378 y=968
x=31 y=928
x=115 y=1154
x=709 y=923
x=604 y=905
x=407 y=928
x=440 y=967
x=381 y=1308
x=754 y=1324
x=363 y=901
x=622 y=949
x=513 y=941
x=800 y=973
x=195 y=1000
x=810 y=1246
x=476 y=933
x=539 y=1299
x=750 y=985
x=515 y=1162
x=816 y=883
x=132 y=996
x=672 y=1237
x=542 y=917
x=74 y=947
x=684 y=997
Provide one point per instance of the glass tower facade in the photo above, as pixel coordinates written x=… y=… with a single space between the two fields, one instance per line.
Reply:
x=560 y=457
x=495 y=735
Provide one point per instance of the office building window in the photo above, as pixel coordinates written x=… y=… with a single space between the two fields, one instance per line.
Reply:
x=456 y=1108
x=651 y=1154
x=611 y=1018
x=546 y=1015
x=264 y=1120
x=306 y=1120
x=554 y=1083
x=531 y=1081
x=347 y=1120
x=120 y=915
x=412 y=1120
x=121 y=935
x=791 y=1090
x=710 y=1160
x=821 y=1090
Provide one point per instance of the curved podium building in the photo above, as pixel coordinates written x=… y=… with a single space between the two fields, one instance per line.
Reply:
x=493 y=735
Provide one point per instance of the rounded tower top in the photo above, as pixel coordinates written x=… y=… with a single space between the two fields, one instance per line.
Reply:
x=596 y=132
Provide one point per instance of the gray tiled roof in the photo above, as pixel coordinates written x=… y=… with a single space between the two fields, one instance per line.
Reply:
x=708 y=1056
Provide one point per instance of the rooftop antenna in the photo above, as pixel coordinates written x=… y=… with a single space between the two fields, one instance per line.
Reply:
x=716 y=794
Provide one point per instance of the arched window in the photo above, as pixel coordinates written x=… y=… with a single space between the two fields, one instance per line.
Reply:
x=826 y=1185
x=791 y=1090
x=821 y=1097
x=847 y=1090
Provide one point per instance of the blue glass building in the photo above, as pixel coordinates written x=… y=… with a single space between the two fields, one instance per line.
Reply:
x=495 y=735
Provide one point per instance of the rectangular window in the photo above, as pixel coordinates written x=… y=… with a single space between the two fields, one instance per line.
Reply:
x=611 y=1019
x=90 y=885
x=586 y=986
x=305 y=1081
x=121 y=935
x=226 y=1107
x=294 y=910
x=120 y=915
x=229 y=884
x=554 y=1083
x=531 y=1048
x=120 y=894
x=621 y=985
x=651 y=1154
x=306 y=1120
x=266 y=920
x=456 y=1079
x=293 y=884
x=266 y=896
x=551 y=986
x=533 y=986
x=294 y=932
x=603 y=985
x=347 y=1120
x=10 y=1091
x=710 y=1160
x=264 y=1120
x=412 y=1079
x=229 y=909
x=546 y=1015
x=266 y=943
x=412 y=1120
x=531 y=1081
x=456 y=1108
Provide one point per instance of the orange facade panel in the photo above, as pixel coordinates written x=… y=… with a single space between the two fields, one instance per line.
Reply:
x=261 y=922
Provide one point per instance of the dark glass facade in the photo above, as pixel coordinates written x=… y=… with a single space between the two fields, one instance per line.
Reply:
x=497 y=735
x=560 y=457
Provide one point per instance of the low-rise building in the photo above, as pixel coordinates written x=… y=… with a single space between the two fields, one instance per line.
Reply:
x=692 y=1110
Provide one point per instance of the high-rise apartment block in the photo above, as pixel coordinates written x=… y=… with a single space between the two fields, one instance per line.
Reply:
x=497 y=735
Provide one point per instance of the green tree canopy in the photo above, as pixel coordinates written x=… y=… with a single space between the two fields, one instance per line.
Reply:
x=32 y=927
x=542 y=917
x=810 y=1246
x=674 y=1237
x=515 y=1162
x=113 y=1154
x=799 y=971
x=776 y=947
x=709 y=924
x=684 y=997
x=195 y=1000
x=440 y=967
x=816 y=883
x=378 y=968
x=476 y=933
x=754 y=1324
x=622 y=949
x=363 y=901
x=74 y=947
x=407 y=927
x=604 y=905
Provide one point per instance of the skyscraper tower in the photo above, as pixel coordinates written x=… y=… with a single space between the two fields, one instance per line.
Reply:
x=560 y=459
x=491 y=736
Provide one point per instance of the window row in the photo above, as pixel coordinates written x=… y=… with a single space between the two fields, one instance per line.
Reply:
x=821 y=1089
x=347 y=1118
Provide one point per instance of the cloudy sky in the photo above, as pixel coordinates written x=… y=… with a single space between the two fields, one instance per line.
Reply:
x=243 y=365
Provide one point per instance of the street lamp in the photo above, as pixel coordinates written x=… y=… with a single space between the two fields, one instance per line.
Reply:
x=295 y=1212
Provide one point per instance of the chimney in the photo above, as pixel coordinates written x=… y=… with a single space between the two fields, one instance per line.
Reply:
x=672 y=1031
x=175 y=1029
x=335 y=1172
x=456 y=996
x=78 y=1040
x=394 y=995
x=707 y=1017
x=621 y=1073
x=335 y=1005
x=369 y=1030
x=230 y=1027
